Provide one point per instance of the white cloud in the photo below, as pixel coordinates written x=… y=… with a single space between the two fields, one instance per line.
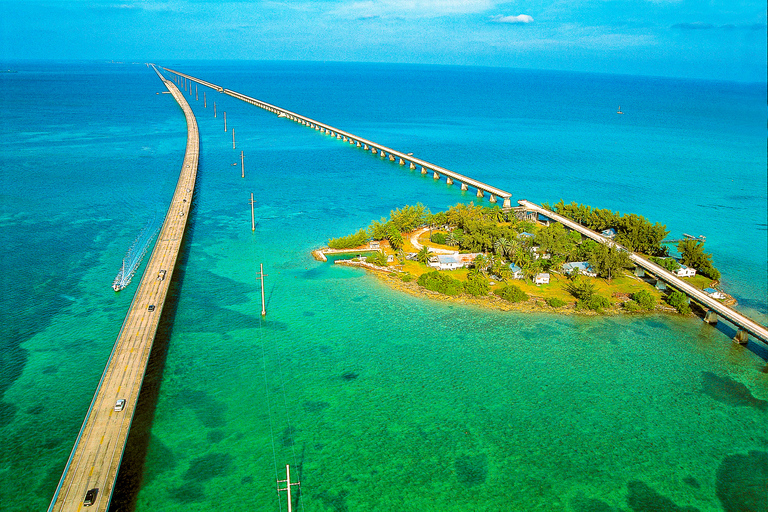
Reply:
x=520 y=18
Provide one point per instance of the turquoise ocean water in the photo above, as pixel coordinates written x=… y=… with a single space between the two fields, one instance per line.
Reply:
x=379 y=401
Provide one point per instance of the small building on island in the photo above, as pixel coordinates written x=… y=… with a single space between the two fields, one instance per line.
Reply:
x=517 y=272
x=582 y=267
x=609 y=233
x=714 y=293
x=452 y=261
x=684 y=271
x=541 y=278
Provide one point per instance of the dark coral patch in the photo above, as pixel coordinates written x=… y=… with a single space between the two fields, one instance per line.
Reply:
x=729 y=391
x=208 y=466
x=471 y=469
x=642 y=498
x=742 y=482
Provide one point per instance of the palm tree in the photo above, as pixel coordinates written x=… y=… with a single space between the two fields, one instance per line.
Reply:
x=423 y=255
x=481 y=263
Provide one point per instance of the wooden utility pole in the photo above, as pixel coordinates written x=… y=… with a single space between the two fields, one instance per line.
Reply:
x=253 y=221
x=264 y=304
x=196 y=97
x=205 y=101
x=225 y=120
x=242 y=169
x=214 y=109
x=288 y=485
x=233 y=138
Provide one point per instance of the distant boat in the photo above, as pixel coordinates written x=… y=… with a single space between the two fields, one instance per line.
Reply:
x=619 y=111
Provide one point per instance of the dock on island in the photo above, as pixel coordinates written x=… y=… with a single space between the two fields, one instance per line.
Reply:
x=89 y=476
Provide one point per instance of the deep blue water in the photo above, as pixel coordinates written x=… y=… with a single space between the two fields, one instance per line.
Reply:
x=385 y=401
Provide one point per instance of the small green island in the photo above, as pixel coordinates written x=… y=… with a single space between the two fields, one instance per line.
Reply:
x=512 y=260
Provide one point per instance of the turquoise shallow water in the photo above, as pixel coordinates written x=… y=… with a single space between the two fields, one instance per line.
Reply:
x=379 y=400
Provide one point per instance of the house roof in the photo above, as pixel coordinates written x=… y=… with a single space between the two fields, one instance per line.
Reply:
x=514 y=268
x=578 y=265
x=524 y=234
x=711 y=290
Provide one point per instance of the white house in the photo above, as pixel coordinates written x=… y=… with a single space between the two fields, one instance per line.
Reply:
x=452 y=261
x=684 y=271
x=715 y=294
x=582 y=266
x=541 y=278
x=517 y=272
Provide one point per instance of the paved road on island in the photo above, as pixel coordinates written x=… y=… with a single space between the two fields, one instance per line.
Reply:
x=98 y=450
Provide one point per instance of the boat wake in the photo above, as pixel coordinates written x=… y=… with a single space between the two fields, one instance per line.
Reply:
x=133 y=257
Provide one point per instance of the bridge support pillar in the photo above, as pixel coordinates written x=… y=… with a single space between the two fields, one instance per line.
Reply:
x=402 y=162
x=423 y=170
x=449 y=181
x=507 y=203
x=358 y=144
x=365 y=147
x=639 y=272
x=464 y=187
x=492 y=199
x=391 y=157
x=344 y=138
x=338 y=136
x=412 y=166
x=382 y=153
x=435 y=176
x=742 y=337
x=373 y=150
x=711 y=317
x=479 y=193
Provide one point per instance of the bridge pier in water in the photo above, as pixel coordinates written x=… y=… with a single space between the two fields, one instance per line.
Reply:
x=711 y=317
x=742 y=337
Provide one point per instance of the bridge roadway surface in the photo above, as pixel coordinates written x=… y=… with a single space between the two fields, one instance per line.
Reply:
x=733 y=316
x=99 y=447
x=317 y=125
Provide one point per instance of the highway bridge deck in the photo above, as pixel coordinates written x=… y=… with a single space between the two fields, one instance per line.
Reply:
x=741 y=321
x=341 y=134
x=98 y=450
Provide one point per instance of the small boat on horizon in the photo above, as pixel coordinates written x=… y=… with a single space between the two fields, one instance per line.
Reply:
x=619 y=111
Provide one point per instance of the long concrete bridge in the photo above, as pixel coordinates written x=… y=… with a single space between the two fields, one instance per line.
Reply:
x=98 y=450
x=744 y=324
x=367 y=145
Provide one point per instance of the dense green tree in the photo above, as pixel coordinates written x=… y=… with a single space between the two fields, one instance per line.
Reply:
x=609 y=261
x=511 y=293
x=679 y=301
x=438 y=238
x=408 y=218
x=379 y=230
x=377 y=258
x=441 y=283
x=350 y=241
x=692 y=254
x=476 y=284
x=644 y=299
x=581 y=288
x=555 y=240
x=669 y=264
x=555 y=302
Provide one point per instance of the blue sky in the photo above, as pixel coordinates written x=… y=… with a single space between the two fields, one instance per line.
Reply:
x=718 y=39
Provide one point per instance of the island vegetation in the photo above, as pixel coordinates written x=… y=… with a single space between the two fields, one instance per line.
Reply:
x=505 y=257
